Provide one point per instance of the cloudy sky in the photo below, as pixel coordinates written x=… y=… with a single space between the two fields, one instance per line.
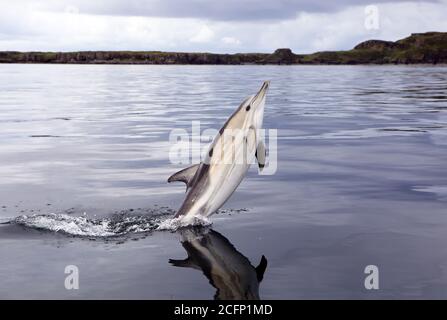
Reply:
x=211 y=25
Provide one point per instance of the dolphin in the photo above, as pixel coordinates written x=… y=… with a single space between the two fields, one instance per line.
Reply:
x=227 y=270
x=211 y=182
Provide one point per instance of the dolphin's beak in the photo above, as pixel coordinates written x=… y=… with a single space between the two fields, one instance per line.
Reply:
x=260 y=96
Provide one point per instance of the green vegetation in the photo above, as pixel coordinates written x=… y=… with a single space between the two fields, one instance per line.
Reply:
x=430 y=47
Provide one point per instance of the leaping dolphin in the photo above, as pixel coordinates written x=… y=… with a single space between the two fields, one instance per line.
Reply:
x=228 y=158
x=228 y=270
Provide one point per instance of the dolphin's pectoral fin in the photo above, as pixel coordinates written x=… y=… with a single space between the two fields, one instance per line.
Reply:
x=260 y=269
x=184 y=175
x=186 y=263
x=261 y=154
x=180 y=263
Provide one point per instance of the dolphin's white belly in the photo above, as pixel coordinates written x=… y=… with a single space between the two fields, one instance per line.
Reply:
x=221 y=184
x=232 y=159
x=223 y=188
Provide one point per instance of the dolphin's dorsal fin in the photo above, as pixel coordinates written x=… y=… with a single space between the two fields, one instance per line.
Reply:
x=261 y=154
x=184 y=175
x=260 y=269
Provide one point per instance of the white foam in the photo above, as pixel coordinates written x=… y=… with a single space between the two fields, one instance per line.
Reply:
x=79 y=226
x=5 y=220
x=115 y=225
x=177 y=223
x=83 y=226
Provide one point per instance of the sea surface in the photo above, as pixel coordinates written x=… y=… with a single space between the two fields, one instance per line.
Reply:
x=361 y=180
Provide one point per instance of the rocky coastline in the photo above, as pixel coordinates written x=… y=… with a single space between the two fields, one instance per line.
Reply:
x=418 y=48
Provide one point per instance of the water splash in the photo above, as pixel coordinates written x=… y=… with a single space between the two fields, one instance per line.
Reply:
x=118 y=224
x=5 y=220
x=174 y=224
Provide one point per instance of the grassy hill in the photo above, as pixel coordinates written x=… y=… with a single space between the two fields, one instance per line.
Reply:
x=430 y=47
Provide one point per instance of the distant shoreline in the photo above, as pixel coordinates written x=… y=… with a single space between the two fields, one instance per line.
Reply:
x=421 y=48
x=443 y=64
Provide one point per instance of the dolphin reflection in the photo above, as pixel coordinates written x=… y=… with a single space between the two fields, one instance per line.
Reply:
x=227 y=270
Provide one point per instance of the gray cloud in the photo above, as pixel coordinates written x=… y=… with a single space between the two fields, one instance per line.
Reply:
x=54 y=25
x=226 y=10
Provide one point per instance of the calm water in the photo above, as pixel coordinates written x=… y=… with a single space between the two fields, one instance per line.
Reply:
x=361 y=180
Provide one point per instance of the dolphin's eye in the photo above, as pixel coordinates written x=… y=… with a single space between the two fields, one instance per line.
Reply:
x=248 y=108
